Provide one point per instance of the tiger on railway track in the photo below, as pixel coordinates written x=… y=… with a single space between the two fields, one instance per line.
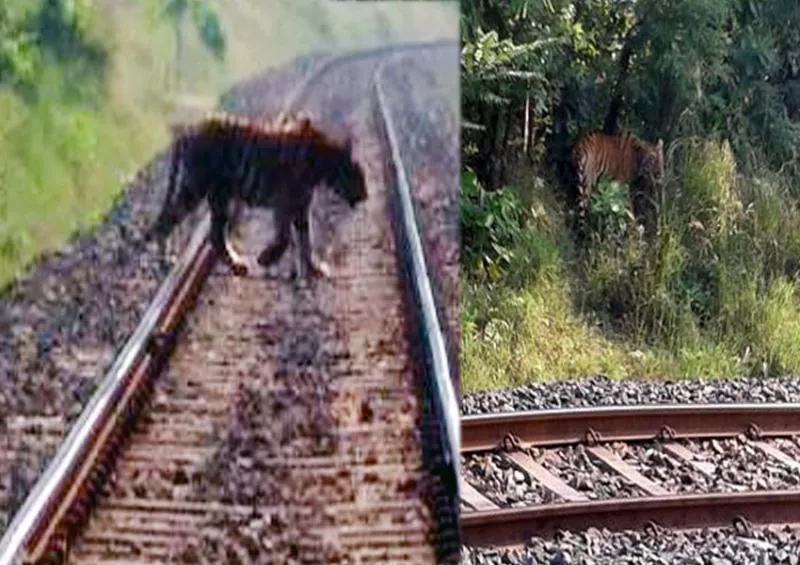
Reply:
x=230 y=159
x=622 y=157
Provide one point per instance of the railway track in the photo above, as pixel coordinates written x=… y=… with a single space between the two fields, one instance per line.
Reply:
x=255 y=420
x=533 y=474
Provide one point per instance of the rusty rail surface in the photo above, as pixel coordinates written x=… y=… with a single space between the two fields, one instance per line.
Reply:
x=629 y=423
x=67 y=477
x=510 y=527
x=513 y=434
x=76 y=468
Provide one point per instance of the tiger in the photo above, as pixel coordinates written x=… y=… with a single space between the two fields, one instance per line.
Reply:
x=622 y=157
x=231 y=159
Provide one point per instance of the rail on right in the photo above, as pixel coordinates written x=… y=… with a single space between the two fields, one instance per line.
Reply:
x=640 y=468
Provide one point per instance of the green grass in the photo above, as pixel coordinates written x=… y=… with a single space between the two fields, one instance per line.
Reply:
x=59 y=167
x=64 y=160
x=536 y=334
x=715 y=295
x=66 y=153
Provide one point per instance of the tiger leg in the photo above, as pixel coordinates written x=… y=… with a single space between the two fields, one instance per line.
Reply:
x=219 y=241
x=275 y=250
x=582 y=192
x=312 y=266
x=644 y=208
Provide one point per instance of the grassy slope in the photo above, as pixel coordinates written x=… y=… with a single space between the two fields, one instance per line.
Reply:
x=63 y=164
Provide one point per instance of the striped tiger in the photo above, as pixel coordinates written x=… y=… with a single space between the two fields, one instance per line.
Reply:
x=623 y=157
x=230 y=159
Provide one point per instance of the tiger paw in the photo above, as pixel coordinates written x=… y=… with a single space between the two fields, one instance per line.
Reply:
x=239 y=269
x=319 y=269
x=266 y=258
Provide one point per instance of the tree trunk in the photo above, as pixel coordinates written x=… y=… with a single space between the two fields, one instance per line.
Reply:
x=497 y=148
x=611 y=123
x=504 y=154
x=527 y=123
x=532 y=143
x=484 y=156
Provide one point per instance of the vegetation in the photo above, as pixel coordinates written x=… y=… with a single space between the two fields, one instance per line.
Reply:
x=70 y=133
x=715 y=291
x=206 y=22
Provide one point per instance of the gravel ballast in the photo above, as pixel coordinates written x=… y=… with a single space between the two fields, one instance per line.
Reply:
x=600 y=547
x=502 y=482
x=736 y=465
x=603 y=391
x=730 y=465
x=579 y=470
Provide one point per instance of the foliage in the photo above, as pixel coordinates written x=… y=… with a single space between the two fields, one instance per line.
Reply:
x=63 y=30
x=50 y=32
x=701 y=67
x=499 y=75
x=491 y=222
x=713 y=290
x=608 y=211
x=18 y=54
x=492 y=68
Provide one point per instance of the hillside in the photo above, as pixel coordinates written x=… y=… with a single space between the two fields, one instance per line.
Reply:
x=84 y=98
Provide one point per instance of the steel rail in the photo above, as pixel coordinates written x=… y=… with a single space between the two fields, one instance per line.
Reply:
x=334 y=60
x=509 y=527
x=44 y=510
x=33 y=526
x=431 y=79
x=437 y=382
x=628 y=423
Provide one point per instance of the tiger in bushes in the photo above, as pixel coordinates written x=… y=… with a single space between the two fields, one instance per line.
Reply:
x=622 y=157
x=228 y=160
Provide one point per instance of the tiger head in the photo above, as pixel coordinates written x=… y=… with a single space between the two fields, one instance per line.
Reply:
x=347 y=177
x=652 y=161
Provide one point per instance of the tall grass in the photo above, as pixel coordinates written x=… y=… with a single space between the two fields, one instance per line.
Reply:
x=713 y=293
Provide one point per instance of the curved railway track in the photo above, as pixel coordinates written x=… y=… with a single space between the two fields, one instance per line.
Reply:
x=318 y=395
x=650 y=452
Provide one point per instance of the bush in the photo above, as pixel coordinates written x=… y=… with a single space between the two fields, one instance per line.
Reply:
x=609 y=211
x=491 y=224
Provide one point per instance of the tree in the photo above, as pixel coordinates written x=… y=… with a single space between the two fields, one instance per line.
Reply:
x=554 y=69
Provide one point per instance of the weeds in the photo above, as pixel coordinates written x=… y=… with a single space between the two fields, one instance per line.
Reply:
x=714 y=293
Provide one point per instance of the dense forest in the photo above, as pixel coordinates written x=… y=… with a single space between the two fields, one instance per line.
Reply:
x=714 y=291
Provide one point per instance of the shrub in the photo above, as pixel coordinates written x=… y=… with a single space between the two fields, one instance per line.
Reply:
x=491 y=223
x=609 y=212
